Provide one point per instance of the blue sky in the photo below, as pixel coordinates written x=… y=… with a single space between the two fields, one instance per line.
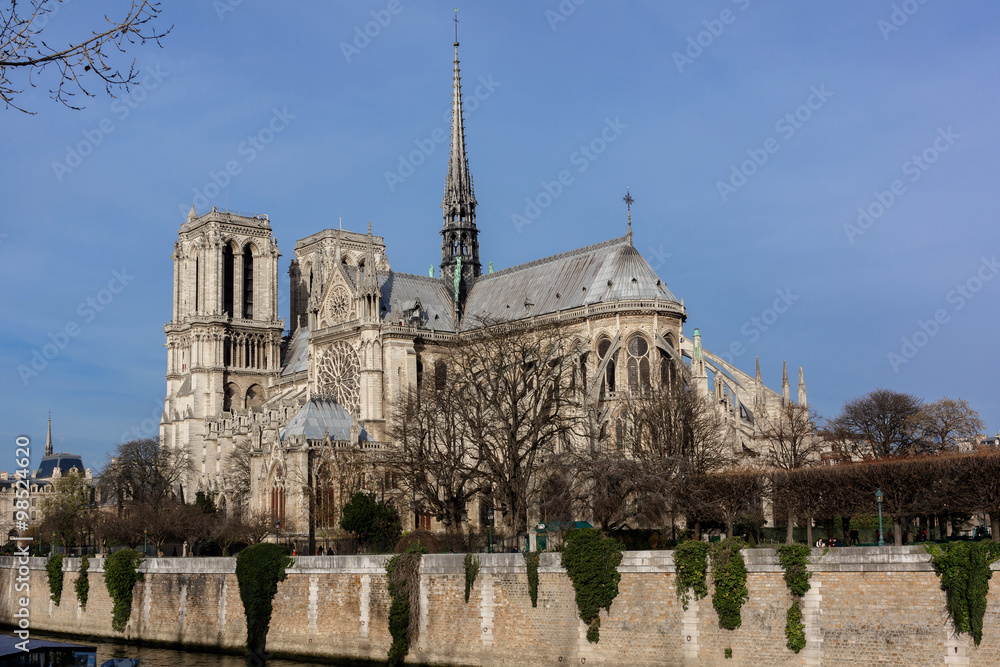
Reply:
x=749 y=133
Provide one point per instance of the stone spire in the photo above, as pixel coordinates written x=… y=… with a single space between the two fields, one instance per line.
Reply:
x=48 y=438
x=802 y=388
x=698 y=371
x=459 y=234
x=759 y=396
x=786 y=391
x=368 y=289
x=628 y=202
x=459 y=202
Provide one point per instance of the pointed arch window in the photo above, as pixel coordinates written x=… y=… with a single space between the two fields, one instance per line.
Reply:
x=227 y=280
x=248 y=283
x=667 y=371
x=637 y=350
x=608 y=381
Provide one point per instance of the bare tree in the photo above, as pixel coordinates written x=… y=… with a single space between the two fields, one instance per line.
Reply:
x=948 y=422
x=238 y=476
x=84 y=58
x=517 y=404
x=433 y=455
x=65 y=510
x=791 y=443
x=634 y=464
x=732 y=495
x=880 y=425
x=144 y=472
x=977 y=484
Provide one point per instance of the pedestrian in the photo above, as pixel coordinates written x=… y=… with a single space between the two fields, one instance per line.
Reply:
x=854 y=537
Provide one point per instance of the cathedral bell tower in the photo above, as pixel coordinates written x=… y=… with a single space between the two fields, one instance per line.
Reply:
x=224 y=336
x=459 y=236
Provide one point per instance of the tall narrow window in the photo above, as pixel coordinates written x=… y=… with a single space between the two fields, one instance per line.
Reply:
x=638 y=364
x=440 y=375
x=666 y=369
x=227 y=280
x=197 y=284
x=248 y=283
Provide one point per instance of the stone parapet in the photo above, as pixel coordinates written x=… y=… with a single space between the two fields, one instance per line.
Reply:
x=865 y=606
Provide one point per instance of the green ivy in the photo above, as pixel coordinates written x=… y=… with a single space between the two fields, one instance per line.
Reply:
x=121 y=571
x=259 y=568
x=794 y=558
x=82 y=583
x=531 y=560
x=729 y=573
x=728 y=653
x=795 y=631
x=403 y=582
x=591 y=561
x=691 y=560
x=964 y=569
x=54 y=566
x=471 y=572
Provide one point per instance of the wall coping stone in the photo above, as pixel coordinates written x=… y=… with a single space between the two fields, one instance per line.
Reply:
x=913 y=558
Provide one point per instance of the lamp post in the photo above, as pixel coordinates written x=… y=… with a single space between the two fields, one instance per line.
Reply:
x=145 y=541
x=878 y=497
x=53 y=543
x=277 y=535
x=489 y=517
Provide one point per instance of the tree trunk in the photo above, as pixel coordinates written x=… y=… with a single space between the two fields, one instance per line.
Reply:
x=729 y=528
x=897 y=533
x=809 y=531
x=845 y=528
x=995 y=525
x=790 y=528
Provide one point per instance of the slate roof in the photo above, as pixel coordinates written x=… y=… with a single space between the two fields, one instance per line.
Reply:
x=65 y=463
x=319 y=417
x=608 y=271
x=297 y=354
x=401 y=290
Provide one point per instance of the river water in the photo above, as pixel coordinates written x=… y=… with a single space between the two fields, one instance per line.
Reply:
x=165 y=657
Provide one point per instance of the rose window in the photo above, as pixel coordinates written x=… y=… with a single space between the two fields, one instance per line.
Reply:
x=338 y=373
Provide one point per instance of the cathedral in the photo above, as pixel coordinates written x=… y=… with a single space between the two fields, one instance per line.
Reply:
x=360 y=334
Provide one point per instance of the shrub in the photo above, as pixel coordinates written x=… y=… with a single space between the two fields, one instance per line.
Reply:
x=371 y=520
x=691 y=560
x=121 y=571
x=531 y=560
x=54 y=567
x=403 y=582
x=259 y=568
x=591 y=561
x=471 y=572
x=82 y=583
x=965 y=574
x=729 y=573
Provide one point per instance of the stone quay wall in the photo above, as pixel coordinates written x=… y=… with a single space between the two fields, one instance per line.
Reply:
x=866 y=606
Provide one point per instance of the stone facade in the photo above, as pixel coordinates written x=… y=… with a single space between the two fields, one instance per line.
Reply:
x=867 y=606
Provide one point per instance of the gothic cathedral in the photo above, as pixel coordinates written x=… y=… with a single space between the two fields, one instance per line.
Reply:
x=361 y=334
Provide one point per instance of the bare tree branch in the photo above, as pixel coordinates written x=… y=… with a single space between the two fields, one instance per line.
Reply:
x=93 y=57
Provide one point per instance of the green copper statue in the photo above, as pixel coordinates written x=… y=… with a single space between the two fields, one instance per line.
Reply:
x=458 y=276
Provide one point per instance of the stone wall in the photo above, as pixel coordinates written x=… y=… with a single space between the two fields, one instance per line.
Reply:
x=866 y=606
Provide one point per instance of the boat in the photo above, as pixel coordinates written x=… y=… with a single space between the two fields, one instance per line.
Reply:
x=15 y=651
x=121 y=662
